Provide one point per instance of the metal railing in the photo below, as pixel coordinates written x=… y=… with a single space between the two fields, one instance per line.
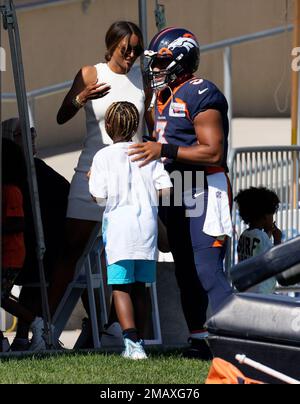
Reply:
x=277 y=168
x=34 y=95
x=226 y=45
x=90 y=275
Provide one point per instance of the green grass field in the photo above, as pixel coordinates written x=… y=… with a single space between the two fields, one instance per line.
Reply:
x=92 y=368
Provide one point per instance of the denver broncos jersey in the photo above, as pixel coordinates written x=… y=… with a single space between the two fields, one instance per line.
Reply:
x=174 y=118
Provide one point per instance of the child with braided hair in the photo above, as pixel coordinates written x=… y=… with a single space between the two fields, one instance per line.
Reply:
x=129 y=222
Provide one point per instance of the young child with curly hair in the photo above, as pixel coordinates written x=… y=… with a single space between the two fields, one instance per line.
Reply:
x=257 y=207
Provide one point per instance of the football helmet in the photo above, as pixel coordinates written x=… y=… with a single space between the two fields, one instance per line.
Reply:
x=172 y=54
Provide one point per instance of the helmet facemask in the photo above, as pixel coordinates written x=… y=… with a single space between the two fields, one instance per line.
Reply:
x=163 y=77
x=161 y=70
x=173 y=55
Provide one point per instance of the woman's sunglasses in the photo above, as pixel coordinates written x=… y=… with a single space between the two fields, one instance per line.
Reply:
x=136 y=50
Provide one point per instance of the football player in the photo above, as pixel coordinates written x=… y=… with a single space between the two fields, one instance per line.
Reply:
x=190 y=132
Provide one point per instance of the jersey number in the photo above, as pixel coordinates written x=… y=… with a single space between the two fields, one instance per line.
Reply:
x=160 y=131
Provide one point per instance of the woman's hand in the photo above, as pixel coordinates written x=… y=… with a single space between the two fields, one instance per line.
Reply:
x=145 y=152
x=94 y=91
x=85 y=87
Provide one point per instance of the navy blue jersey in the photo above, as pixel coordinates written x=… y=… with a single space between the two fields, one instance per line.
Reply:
x=174 y=119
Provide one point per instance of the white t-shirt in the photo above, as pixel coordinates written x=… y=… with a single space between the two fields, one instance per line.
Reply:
x=252 y=243
x=130 y=194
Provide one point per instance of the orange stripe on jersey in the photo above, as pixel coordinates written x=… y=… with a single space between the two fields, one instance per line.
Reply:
x=219 y=243
x=160 y=105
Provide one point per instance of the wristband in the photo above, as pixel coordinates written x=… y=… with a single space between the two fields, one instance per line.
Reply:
x=169 y=151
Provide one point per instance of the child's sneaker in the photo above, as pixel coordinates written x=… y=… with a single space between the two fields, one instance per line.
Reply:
x=134 y=350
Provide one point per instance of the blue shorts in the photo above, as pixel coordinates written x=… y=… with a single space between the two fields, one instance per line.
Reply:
x=131 y=271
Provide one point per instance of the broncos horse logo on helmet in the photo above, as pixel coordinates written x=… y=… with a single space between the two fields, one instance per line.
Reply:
x=177 y=50
x=187 y=43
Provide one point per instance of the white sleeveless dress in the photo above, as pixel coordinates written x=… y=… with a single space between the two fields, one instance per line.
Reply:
x=127 y=87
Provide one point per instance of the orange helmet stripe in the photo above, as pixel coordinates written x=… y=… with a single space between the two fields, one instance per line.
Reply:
x=165 y=52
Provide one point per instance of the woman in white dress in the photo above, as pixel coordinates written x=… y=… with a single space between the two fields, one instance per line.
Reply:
x=95 y=88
